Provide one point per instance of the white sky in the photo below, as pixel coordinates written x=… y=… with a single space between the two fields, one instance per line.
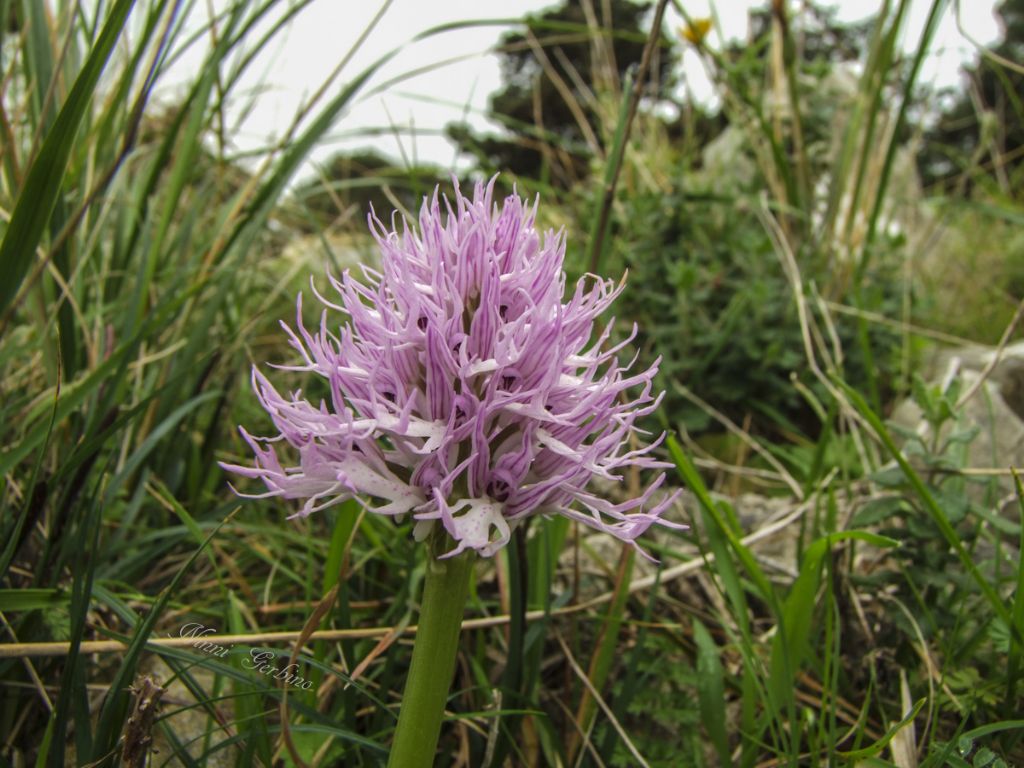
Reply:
x=419 y=108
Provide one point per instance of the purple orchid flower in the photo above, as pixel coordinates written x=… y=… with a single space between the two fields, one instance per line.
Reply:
x=463 y=391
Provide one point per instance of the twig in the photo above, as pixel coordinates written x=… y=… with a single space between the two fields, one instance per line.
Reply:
x=19 y=650
x=596 y=696
x=745 y=437
x=984 y=50
x=880 y=319
x=566 y=93
x=36 y=681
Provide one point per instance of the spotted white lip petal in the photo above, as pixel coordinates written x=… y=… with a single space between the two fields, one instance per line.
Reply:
x=478 y=524
x=464 y=388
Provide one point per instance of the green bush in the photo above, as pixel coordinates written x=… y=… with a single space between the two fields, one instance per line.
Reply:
x=711 y=299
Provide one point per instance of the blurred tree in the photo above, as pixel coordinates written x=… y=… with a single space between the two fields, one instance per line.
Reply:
x=350 y=183
x=556 y=72
x=820 y=37
x=980 y=138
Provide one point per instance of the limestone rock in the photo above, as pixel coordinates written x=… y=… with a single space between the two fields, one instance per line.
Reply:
x=996 y=407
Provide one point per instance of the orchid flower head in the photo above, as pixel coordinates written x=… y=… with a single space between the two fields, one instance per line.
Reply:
x=466 y=388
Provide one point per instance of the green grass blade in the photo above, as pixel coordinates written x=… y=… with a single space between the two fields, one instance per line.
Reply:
x=13 y=532
x=73 y=700
x=1016 y=649
x=248 y=700
x=711 y=691
x=38 y=196
x=30 y=599
x=757 y=698
x=42 y=757
x=600 y=219
x=790 y=645
x=935 y=13
x=71 y=397
x=873 y=749
x=688 y=472
x=153 y=439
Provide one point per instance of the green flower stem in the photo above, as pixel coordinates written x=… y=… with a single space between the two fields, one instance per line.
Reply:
x=433 y=657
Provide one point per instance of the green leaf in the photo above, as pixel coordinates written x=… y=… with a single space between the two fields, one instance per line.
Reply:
x=877 y=510
x=31 y=599
x=983 y=757
x=938 y=515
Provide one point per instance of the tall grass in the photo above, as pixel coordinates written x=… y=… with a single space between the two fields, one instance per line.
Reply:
x=139 y=263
